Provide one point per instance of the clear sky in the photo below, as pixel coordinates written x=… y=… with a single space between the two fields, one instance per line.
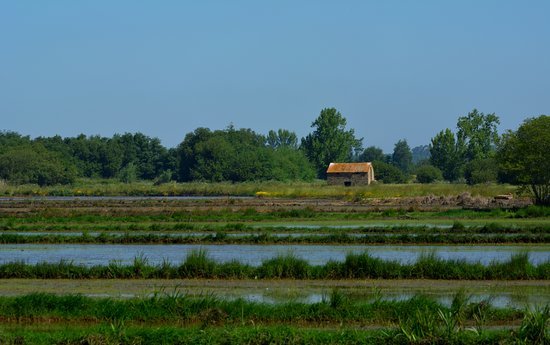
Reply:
x=394 y=69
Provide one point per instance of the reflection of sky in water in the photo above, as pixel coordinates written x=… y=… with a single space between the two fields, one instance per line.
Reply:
x=499 y=300
x=496 y=299
x=102 y=254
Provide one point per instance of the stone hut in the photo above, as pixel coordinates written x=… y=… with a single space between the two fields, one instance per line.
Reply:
x=350 y=174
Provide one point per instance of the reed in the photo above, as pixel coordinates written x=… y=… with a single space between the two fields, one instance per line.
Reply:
x=180 y=308
x=173 y=317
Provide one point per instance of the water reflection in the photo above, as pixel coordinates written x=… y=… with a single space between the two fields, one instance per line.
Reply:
x=102 y=254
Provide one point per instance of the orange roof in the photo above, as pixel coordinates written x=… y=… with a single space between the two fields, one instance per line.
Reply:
x=349 y=167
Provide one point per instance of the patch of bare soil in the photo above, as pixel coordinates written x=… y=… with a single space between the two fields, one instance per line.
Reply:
x=167 y=206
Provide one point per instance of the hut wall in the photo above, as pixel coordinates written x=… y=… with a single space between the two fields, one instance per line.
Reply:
x=351 y=179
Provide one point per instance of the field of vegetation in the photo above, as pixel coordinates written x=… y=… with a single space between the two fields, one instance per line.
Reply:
x=110 y=311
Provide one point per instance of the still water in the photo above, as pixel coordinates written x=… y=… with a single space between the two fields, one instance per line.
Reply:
x=102 y=254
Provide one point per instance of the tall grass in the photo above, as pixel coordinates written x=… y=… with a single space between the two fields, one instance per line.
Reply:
x=317 y=189
x=181 y=308
x=355 y=266
x=534 y=327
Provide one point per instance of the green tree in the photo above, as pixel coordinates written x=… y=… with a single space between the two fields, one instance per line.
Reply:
x=428 y=174
x=128 y=174
x=238 y=155
x=388 y=173
x=420 y=154
x=477 y=135
x=10 y=140
x=444 y=154
x=282 y=138
x=330 y=141
x=371 y=154
x=481 y=170
x=524 y=155
x=402 y=156
x=34 y=164
x=290 y=165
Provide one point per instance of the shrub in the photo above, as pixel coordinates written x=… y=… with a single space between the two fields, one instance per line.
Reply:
x=481 y=171
x=388 y=173
x=428 y=174
x=36 y=165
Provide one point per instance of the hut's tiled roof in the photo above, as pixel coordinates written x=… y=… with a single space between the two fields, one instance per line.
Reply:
x=349 y=168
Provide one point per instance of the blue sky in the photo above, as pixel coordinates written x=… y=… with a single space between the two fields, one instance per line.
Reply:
x=394 y=69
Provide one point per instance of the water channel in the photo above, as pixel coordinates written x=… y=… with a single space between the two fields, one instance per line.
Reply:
x=102 y=254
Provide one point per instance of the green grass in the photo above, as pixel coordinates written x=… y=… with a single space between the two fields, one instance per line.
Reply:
x=317 y=189
x=176 y=318
x=35 y=319
x=355 y=266
x=121 y=333
x=221 y=237
x=178 y=308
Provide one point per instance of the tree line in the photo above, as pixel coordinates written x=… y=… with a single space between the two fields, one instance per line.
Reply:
x=473 y=153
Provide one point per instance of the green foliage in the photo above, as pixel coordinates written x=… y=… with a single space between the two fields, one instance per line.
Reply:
x=164 y=177
x=524 y=156
x=428 y=174
x=371 y=154
x=402 y=156
x=356 y=266
x=534 y=327
x=197 y=265
x=10 y=140
x=476 y=139
x=284 y=266
x=283 y=138
x=477 y=135
x=388 y=173
x=128 y=174
x=444 y=155
x=240 y=155
x=481 y=171
x=34 y=164
x=289 y=164
x=330 y=141
x=420 y=154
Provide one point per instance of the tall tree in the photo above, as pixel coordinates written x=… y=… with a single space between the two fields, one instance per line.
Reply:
x=420 y=153
x=330 y=142
x=445 y=156
x=524 y=155
x=282 y=138
x=371 y=154
x=402 y=156
x=477 y=135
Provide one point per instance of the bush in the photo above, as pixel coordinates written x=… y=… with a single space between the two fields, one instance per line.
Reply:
x=481 y=171
x=128 y=174
x=36 y=165
x=388 y=173
x=164 y=177
x=428 y=174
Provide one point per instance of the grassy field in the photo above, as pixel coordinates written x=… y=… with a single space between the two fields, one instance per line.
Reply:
x=159 y=319
x=318 y=189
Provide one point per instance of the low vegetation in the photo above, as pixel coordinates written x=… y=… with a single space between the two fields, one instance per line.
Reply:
x=211 y=320
x=355 y=266
x=266 y=238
